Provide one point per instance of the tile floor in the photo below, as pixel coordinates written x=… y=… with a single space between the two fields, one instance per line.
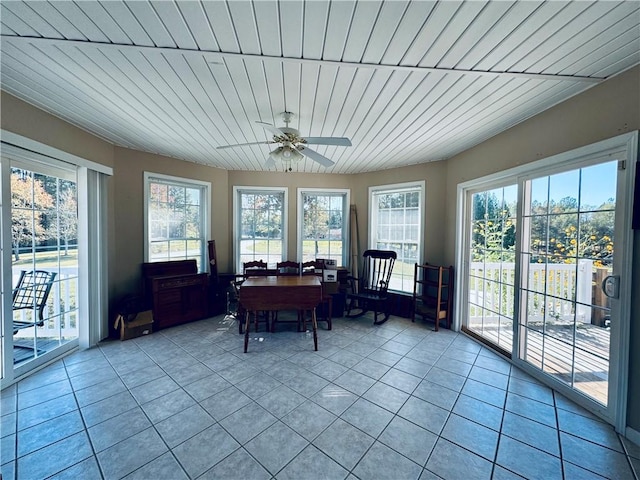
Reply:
x=397 y=401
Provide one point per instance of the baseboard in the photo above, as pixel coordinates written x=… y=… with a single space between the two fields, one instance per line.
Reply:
x=632 y=435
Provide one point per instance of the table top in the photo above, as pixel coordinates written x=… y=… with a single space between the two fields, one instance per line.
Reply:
x=281 y=292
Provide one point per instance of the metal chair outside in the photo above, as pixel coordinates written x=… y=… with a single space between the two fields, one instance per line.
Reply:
x=32 y=292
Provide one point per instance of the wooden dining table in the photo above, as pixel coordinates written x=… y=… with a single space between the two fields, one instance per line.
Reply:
x=270 y=293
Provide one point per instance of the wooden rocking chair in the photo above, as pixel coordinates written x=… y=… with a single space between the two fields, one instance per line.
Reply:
x=369 y=291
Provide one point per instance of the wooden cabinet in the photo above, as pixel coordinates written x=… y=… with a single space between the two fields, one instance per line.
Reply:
x=176 y=292
x=433 y=293
x=179 y=299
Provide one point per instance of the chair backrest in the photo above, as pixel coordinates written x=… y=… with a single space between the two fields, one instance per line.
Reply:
x=254 y=268
x=312 y=267
x=33 y=290
x=376 y=271
x=287 y=267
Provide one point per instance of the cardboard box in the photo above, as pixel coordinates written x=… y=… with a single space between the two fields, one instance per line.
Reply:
x=139 y=326
x=329 y=276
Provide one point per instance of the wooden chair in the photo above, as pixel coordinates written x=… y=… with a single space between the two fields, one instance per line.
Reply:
x=32 y=292
x=254 y=268
x=287 y=267
x=314 y=267
x=234 y=308
x=433 y=293
x=369 y=291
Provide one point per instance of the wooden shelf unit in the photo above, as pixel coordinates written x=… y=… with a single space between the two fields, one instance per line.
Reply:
x=433 y=293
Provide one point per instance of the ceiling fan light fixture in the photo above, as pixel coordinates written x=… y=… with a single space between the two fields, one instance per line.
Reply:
x=287 y=155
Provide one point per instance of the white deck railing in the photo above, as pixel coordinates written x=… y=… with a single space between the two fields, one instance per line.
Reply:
x=564 y=283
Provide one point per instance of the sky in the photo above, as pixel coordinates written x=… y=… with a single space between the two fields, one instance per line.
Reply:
x=596 y=184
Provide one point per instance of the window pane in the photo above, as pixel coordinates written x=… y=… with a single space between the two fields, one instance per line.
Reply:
x=322 y=225
x=396 y=220
x=44 y=230
x=175 y=213
x=492 y=263
x=261 y=226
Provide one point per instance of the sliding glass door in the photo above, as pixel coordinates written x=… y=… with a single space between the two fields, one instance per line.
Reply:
x=568 y=248
x=543 y=277
x=44 y=264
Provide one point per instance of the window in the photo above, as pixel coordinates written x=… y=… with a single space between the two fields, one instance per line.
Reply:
x=176 y=214
x=395 y=223
x=259 y=224
x=322 y=224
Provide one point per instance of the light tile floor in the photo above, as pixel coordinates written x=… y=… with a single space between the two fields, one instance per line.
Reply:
x=397 y=401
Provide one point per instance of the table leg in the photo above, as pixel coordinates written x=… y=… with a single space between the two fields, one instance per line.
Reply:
x=246 y=330
x=314 y=324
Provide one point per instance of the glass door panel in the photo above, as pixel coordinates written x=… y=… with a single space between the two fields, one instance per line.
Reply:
x=491 y=275
x=567 y=251
x=44 y=263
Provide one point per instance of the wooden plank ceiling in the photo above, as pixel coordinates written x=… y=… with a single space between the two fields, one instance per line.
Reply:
x=407 y=82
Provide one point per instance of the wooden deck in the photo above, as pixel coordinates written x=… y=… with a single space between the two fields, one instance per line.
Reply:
x=23 y=348
x=586 y=348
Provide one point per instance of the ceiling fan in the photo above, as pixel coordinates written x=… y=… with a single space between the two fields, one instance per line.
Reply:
x=293 y=147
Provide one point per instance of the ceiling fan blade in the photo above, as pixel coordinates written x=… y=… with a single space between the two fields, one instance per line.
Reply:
x=338 y=141
x=242 y=145
x=315 y=156
x=271 y=128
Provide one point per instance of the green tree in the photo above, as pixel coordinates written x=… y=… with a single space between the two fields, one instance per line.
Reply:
x=316 y=217
x=573 y=233
x=493 y=227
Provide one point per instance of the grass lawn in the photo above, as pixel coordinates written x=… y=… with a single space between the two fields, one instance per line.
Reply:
x=47 y=259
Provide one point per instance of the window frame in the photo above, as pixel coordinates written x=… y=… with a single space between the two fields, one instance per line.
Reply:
x=418 y=185
x=238 y=190
x=205 y=210
x=346 y=199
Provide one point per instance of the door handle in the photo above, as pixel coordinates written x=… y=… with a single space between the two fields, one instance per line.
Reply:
x=611 y=286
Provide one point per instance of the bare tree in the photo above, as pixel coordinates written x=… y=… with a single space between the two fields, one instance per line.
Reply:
x=68 y=216
x=29 y=203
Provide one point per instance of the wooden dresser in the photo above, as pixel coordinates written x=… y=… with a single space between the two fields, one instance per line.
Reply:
x=176 y=292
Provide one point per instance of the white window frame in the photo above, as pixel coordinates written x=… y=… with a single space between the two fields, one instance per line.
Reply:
x=237 y=234
x=205 y=211
x=346 y=198
x=373 y=224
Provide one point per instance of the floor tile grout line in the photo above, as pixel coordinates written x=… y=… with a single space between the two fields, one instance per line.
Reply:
x=241 y=445
x=500 y=434
x=628 y=455
x=86 y=429
x=153 y=424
